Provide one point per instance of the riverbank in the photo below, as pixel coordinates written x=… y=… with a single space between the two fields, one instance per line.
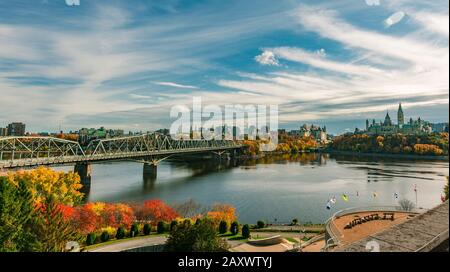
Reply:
x=387 y=155
x=349 y=153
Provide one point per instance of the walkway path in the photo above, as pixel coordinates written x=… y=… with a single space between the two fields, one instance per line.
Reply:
x=129 y=244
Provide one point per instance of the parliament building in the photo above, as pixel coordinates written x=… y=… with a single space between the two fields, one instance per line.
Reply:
x=418 y=126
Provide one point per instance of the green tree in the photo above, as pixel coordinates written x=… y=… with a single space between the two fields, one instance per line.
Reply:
x=134 y=230
x=90 y=239
x=200 y=237
x=161 y=227
x=260 y=224
x=234 y=228
x=120 y=234
x=16 y=212
x=173 y=225
x=223 y=227
x=104 y=237
x=147 y=229
x=246 y=231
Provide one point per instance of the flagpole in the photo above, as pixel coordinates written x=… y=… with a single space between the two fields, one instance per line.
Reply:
x=415 y=190
x=416 y=200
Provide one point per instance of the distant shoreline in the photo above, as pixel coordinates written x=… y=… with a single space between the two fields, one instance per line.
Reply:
x=388 y=155
x=352 y=153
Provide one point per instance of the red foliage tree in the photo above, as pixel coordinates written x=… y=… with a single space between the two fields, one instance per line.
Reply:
x=85 y=219
x=155 y=210
x=116 y=215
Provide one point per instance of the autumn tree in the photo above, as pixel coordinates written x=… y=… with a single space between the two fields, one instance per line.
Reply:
x=155 y=210
x=189 y=209
x=200 y=237
x=52 y=229
x=44 y=183
x=222 y=212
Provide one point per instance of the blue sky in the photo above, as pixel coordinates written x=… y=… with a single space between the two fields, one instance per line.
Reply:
x=124 y=64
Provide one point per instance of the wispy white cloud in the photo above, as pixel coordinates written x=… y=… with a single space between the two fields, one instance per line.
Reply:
x=176 y=85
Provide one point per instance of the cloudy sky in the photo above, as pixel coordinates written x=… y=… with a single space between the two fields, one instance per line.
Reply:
x=124 y=64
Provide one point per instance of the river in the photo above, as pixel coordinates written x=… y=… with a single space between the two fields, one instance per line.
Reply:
x=276 y=188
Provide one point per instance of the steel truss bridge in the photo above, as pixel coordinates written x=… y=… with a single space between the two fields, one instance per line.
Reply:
x=32 y=151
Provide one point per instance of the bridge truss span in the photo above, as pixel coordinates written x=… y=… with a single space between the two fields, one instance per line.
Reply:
x=31 y=151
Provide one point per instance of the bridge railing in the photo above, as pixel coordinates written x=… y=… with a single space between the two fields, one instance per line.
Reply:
x=29 y=150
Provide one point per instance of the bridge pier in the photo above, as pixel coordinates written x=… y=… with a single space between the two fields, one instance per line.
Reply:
x=150 y=171
x=84 y=170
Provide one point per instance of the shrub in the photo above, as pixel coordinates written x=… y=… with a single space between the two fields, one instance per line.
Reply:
x=147 y=229
x=134 y=230
x=161 y=227
x=120 y=233
x=260 y=224
x=200 y=237
x=110 y=230
x=234 y=228
x=187 y=222
x=246 y=231
x=173 y=225
x=90 y=239
x=223 y=227
x=104 y=237
x=294 y=221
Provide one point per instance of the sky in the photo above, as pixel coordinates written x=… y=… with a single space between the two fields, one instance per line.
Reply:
x=125 y=64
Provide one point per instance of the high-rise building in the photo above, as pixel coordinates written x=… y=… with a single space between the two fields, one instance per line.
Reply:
x=3 y=132
x=400 y=116
x=16 y=129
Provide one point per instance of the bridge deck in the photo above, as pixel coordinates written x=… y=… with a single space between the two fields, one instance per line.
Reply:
x=104 y=157
x=425 y=232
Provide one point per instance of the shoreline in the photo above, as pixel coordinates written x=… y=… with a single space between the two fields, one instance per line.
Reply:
x=388 y=155
x=351 y=153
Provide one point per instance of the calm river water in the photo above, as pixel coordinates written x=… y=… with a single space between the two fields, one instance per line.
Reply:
x=277 y=188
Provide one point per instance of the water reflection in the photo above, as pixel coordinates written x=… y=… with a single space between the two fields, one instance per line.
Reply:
x=282 y=186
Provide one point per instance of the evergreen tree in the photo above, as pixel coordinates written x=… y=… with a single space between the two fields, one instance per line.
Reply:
x=200 y=237
x=16 y=212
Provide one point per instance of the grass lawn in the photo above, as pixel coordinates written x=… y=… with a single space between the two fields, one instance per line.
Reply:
x=229 y=236
x=114 y=241
x=292 y=240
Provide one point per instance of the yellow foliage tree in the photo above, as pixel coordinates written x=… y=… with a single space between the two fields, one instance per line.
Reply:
x=223 y=212
x=44 y=182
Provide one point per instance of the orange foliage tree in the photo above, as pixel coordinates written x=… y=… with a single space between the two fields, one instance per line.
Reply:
x=222 y=212
x=155 y=210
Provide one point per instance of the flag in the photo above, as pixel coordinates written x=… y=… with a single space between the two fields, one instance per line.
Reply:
x=442 y=198
x=345 y=197
x=375 y=194
x=333 y=200
x=357 y=193
x=328 y=205
x=415 y=188
x=396 y=195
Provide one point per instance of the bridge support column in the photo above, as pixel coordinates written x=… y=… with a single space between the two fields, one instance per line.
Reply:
x=84 y=170
x=150 y=170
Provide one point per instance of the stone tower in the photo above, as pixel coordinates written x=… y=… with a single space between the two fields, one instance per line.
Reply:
x=400 y=116
x=387 y=120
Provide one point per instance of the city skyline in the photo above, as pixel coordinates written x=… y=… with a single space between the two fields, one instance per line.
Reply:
x=118 y=65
